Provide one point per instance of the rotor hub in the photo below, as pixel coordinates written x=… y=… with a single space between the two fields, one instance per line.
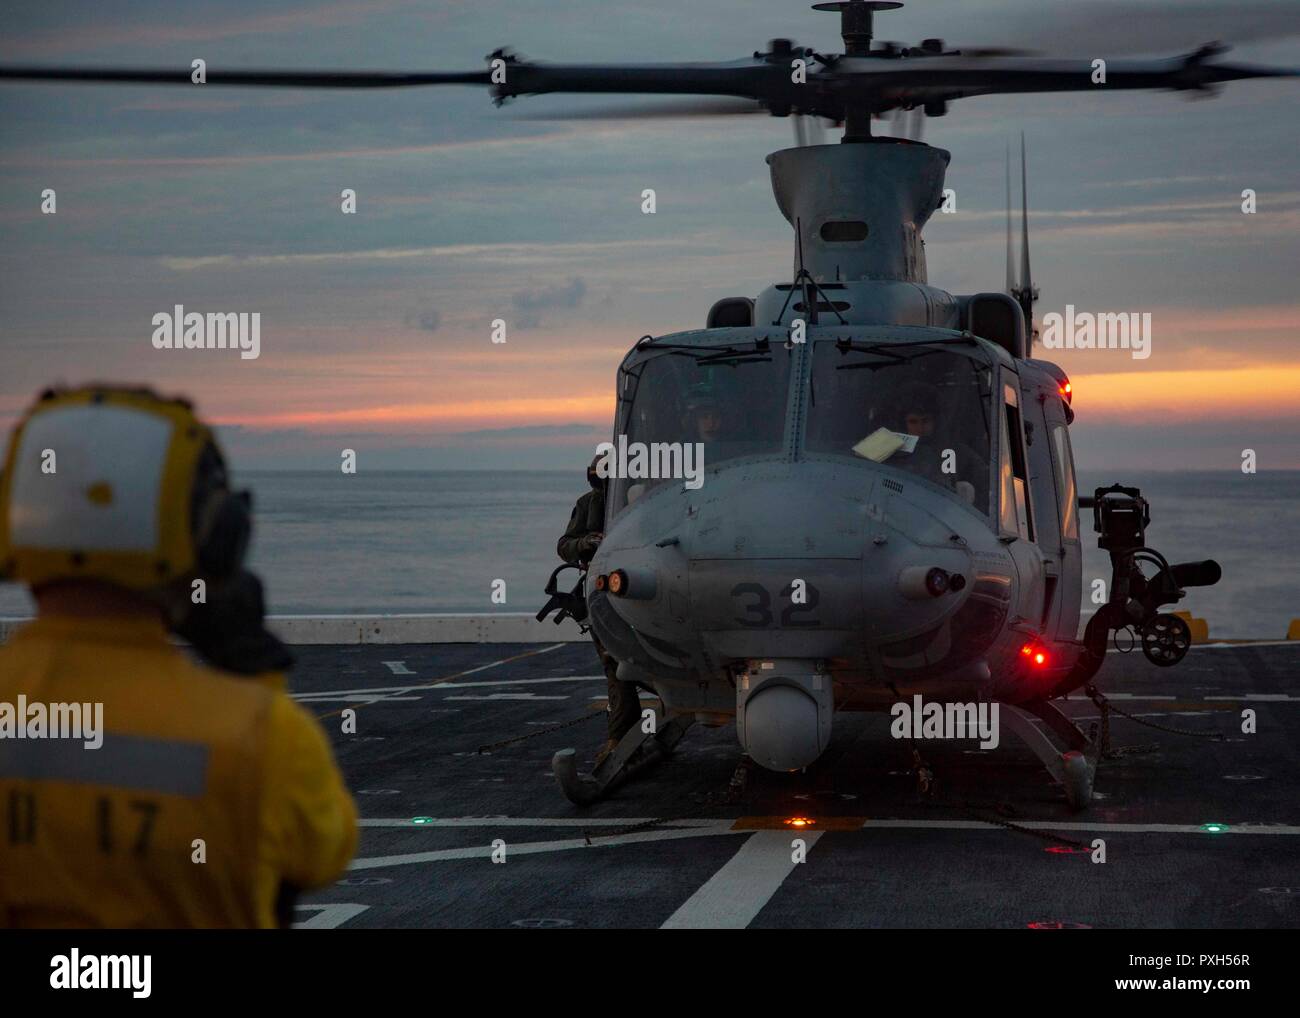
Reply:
x=856 y=18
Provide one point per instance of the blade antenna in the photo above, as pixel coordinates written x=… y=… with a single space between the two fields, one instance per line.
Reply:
x=804 y=276
x=1028 y=292
x=1011 y=268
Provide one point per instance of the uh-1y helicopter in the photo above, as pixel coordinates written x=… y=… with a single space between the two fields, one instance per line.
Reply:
x=889 y=504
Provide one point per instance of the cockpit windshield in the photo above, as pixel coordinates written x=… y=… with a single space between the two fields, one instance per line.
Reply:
x=722 y=409
x=920 y=408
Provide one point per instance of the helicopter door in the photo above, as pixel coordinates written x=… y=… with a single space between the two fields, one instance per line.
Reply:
x=1065 y=624
x=1041 y=406
x=1015 y=505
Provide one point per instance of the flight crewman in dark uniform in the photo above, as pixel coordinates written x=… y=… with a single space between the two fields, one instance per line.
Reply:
x=577 y=546
x=212 y=797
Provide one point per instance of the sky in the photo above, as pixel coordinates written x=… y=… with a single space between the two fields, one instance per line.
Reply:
x=376 y=327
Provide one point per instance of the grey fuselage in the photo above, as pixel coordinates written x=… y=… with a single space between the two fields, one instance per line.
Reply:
x=790 y=578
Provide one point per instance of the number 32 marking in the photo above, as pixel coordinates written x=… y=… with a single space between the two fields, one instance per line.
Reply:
x=758 y=611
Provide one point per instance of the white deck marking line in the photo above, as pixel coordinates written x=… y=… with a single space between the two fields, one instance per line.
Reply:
x=376 y=690
x=355 y=698
x=1049 y=825
x=398 y=667
x=506 y=696
x=1262 y=697
x=535 y=847
x=733 y=897
x=1251 y=643
x=1149 y=714
x=1132 y=696
x=706 y=825
x=457 y=675
x=1194 y=697
x=329 y=917
x=643 y=695
x=535 y=822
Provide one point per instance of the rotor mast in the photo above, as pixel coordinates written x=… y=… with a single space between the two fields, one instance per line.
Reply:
x=857 y=29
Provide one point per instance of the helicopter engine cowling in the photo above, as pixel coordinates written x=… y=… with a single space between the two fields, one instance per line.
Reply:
x=846 y=201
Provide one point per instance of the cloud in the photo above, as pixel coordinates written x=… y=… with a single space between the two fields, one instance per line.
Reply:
x=229 y=198
x=427 y=320
x=530 y=302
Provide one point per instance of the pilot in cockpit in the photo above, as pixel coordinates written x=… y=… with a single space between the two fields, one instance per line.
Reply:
x=703 y=421
x=940 y=454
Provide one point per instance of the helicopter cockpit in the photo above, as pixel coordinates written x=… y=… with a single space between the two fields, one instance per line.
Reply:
x=731 y=409
x=922 y=408
x=917 y=408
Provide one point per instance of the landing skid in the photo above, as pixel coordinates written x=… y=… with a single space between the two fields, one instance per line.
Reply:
x=1076 y=766
x=636 y=751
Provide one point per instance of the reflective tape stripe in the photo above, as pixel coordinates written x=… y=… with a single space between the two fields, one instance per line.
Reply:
x=123 y=761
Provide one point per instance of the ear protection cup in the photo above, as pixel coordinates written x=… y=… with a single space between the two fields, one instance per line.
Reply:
x=222 y=550
x=222 y=520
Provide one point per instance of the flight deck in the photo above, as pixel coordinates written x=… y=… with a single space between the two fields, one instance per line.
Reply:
x=450 y=765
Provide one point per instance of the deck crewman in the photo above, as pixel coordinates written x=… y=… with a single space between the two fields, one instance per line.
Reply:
x=577 y=546
x=212 y=798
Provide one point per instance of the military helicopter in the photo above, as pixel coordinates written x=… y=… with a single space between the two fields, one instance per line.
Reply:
x=887 y=505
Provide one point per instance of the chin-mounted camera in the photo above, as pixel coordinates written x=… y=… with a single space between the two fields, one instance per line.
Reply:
x=1120 y=516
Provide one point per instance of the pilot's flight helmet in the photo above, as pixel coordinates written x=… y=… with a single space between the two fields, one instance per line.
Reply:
x=919 y=397
x=120 y=485
x=702 y=396
x=594 y=479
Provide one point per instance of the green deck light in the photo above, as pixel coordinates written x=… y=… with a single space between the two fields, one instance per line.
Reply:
x=1214 y=828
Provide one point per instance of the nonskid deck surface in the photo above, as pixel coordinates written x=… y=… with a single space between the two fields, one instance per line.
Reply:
x=433 y=807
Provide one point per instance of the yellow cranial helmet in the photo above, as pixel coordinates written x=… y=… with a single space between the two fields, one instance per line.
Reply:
x=120 y=485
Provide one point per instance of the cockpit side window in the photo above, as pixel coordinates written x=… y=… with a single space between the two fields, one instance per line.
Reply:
x=1065 y=485
x=923 y=410
x=722 y=411
x=1016 y=515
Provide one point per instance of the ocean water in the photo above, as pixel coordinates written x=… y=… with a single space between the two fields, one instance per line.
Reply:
x=433 y=542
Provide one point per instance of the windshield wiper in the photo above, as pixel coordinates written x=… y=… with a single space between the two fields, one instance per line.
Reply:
x=847 y=346
x=733 y=358
x=888 y=350
x=711 y=354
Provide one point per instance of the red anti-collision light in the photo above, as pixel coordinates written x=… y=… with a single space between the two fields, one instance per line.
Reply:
x=1067 y=391
x=1036 y=654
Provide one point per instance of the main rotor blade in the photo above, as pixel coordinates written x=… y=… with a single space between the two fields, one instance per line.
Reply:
x=222 y=76
x=833 y=87
x=746 y=78
x=878 y=84
x=722 y=107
